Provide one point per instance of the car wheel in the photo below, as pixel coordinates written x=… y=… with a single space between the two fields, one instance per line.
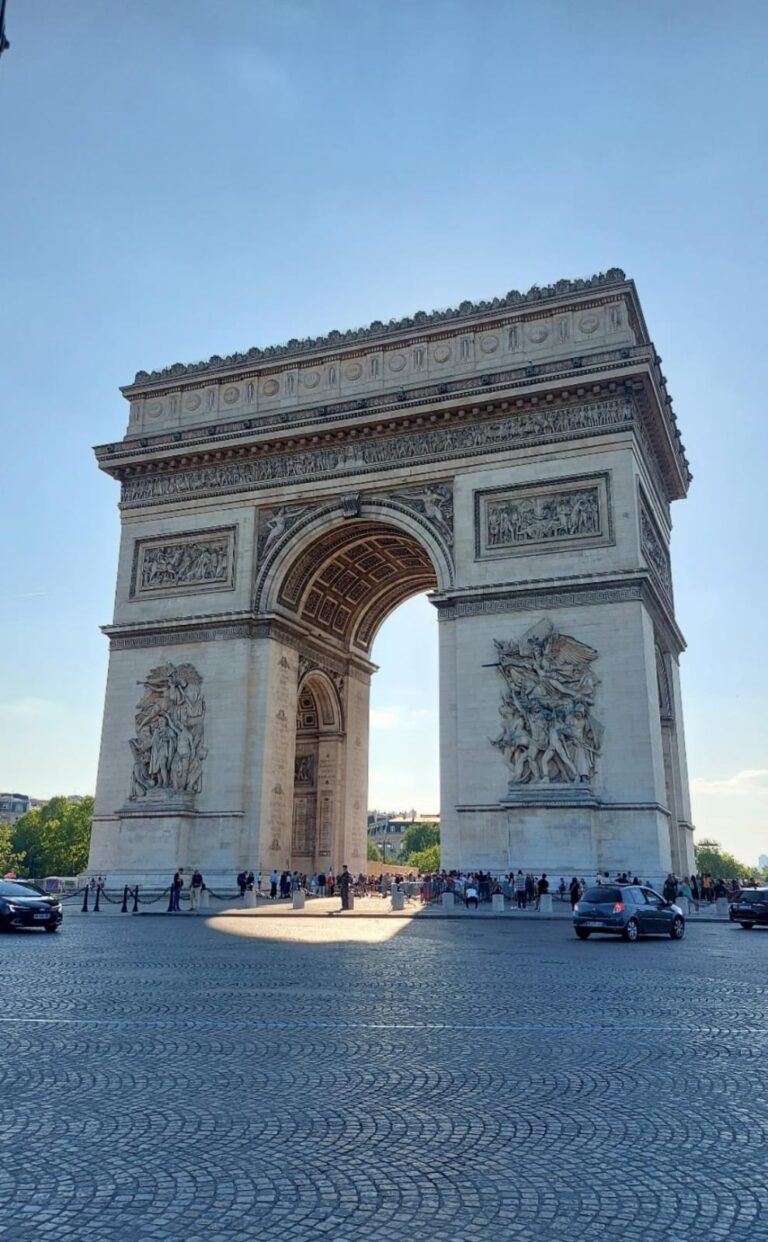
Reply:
x=677 y=930
x=52 y=928
x=747 y=926
x=632 y=930
x=583 y=935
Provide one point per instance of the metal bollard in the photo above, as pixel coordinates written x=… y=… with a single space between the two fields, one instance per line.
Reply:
x=85 y=901
x=136 y=900
x=124 y=906
x=96 y=902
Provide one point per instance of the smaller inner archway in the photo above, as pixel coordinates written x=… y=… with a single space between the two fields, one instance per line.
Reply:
x=318 y=767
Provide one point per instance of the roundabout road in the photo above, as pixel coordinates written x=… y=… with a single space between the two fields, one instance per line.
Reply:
x=222 y=1081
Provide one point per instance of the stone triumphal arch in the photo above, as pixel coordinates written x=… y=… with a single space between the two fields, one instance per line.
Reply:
x=515 y=458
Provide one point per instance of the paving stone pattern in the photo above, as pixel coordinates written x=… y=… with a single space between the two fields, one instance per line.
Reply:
x=165 y=1080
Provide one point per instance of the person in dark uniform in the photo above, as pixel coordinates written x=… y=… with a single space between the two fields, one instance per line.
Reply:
x=345 y=887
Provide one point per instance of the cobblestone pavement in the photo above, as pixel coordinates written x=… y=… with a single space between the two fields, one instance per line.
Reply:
x=368 y=1079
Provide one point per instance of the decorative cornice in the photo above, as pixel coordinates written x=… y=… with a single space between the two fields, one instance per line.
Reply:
x=139 y=635
x=378 y=330
x=530 y=597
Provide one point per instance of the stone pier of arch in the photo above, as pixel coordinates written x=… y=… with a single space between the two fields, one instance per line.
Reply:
x=517 y=459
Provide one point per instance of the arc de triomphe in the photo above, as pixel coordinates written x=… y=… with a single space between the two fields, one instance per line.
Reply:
x=516 y=458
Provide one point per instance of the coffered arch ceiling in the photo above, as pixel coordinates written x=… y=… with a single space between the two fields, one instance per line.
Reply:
x=347 y=581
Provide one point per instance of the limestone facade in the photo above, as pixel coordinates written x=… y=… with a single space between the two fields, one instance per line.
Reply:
x=517 y=459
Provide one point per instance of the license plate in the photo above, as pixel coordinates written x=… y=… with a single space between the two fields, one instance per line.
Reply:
x=591 y=923
x=41 y=917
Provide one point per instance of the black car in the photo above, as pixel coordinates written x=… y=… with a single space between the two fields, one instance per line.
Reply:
x=750 y=907
x=23 y=904
x=629 y=910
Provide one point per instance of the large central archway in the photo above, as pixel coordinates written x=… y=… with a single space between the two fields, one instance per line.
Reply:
x=336 y=582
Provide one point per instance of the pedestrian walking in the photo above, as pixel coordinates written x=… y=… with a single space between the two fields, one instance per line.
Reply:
x=177 y=885
x=196 y=886
x=574 y=892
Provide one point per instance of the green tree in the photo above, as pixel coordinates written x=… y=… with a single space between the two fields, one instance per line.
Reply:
x=418 y=837
x=710 y=858
x=54 y=838
x=10 y=858
x=425 y=860
x=374 y=853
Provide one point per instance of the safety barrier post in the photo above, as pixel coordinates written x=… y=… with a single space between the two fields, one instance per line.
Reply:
x=136 y=900
x=85 y=901
x=124 y=906
x=96 y=902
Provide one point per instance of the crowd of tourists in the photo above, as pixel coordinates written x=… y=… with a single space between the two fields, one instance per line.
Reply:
x=523 y=889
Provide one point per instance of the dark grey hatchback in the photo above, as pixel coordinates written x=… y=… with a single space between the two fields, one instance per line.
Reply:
x=629 y=911
x=23 y=904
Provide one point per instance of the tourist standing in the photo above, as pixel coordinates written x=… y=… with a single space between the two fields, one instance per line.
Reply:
x=520 y=889
x=176 y=887
x=241 y=884
x=541 y=888
x=196 y=886
x=273 y=884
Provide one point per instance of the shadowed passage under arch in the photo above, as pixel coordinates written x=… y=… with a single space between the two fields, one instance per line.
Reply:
x=347 y=581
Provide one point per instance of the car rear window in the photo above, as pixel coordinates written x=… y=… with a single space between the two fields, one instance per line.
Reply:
x=754 y=894
x=602 y=895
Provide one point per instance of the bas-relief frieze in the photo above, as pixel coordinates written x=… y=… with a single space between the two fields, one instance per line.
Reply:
x=459 y=440
x=168 y=750
x=550 y=733
x=564 y=513
x=195 y=561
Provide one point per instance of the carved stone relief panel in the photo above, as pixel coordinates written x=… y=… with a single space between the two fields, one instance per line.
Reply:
x=188 y=563
x=168 y=750
x=435 y=503
x=544 y=517
x=549 y=733
x=274 y=523
x=654 y=548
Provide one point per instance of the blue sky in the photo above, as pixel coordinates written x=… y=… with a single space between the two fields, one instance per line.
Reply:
x=188 y=177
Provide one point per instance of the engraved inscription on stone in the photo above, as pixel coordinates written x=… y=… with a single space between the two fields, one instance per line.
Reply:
x=543 y=517
x=168 y=750
x=549 y=732
x=201 y=561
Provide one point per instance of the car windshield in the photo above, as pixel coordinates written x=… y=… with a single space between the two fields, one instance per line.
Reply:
x=9 y=888
x=754 y=894
x=602 y=896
